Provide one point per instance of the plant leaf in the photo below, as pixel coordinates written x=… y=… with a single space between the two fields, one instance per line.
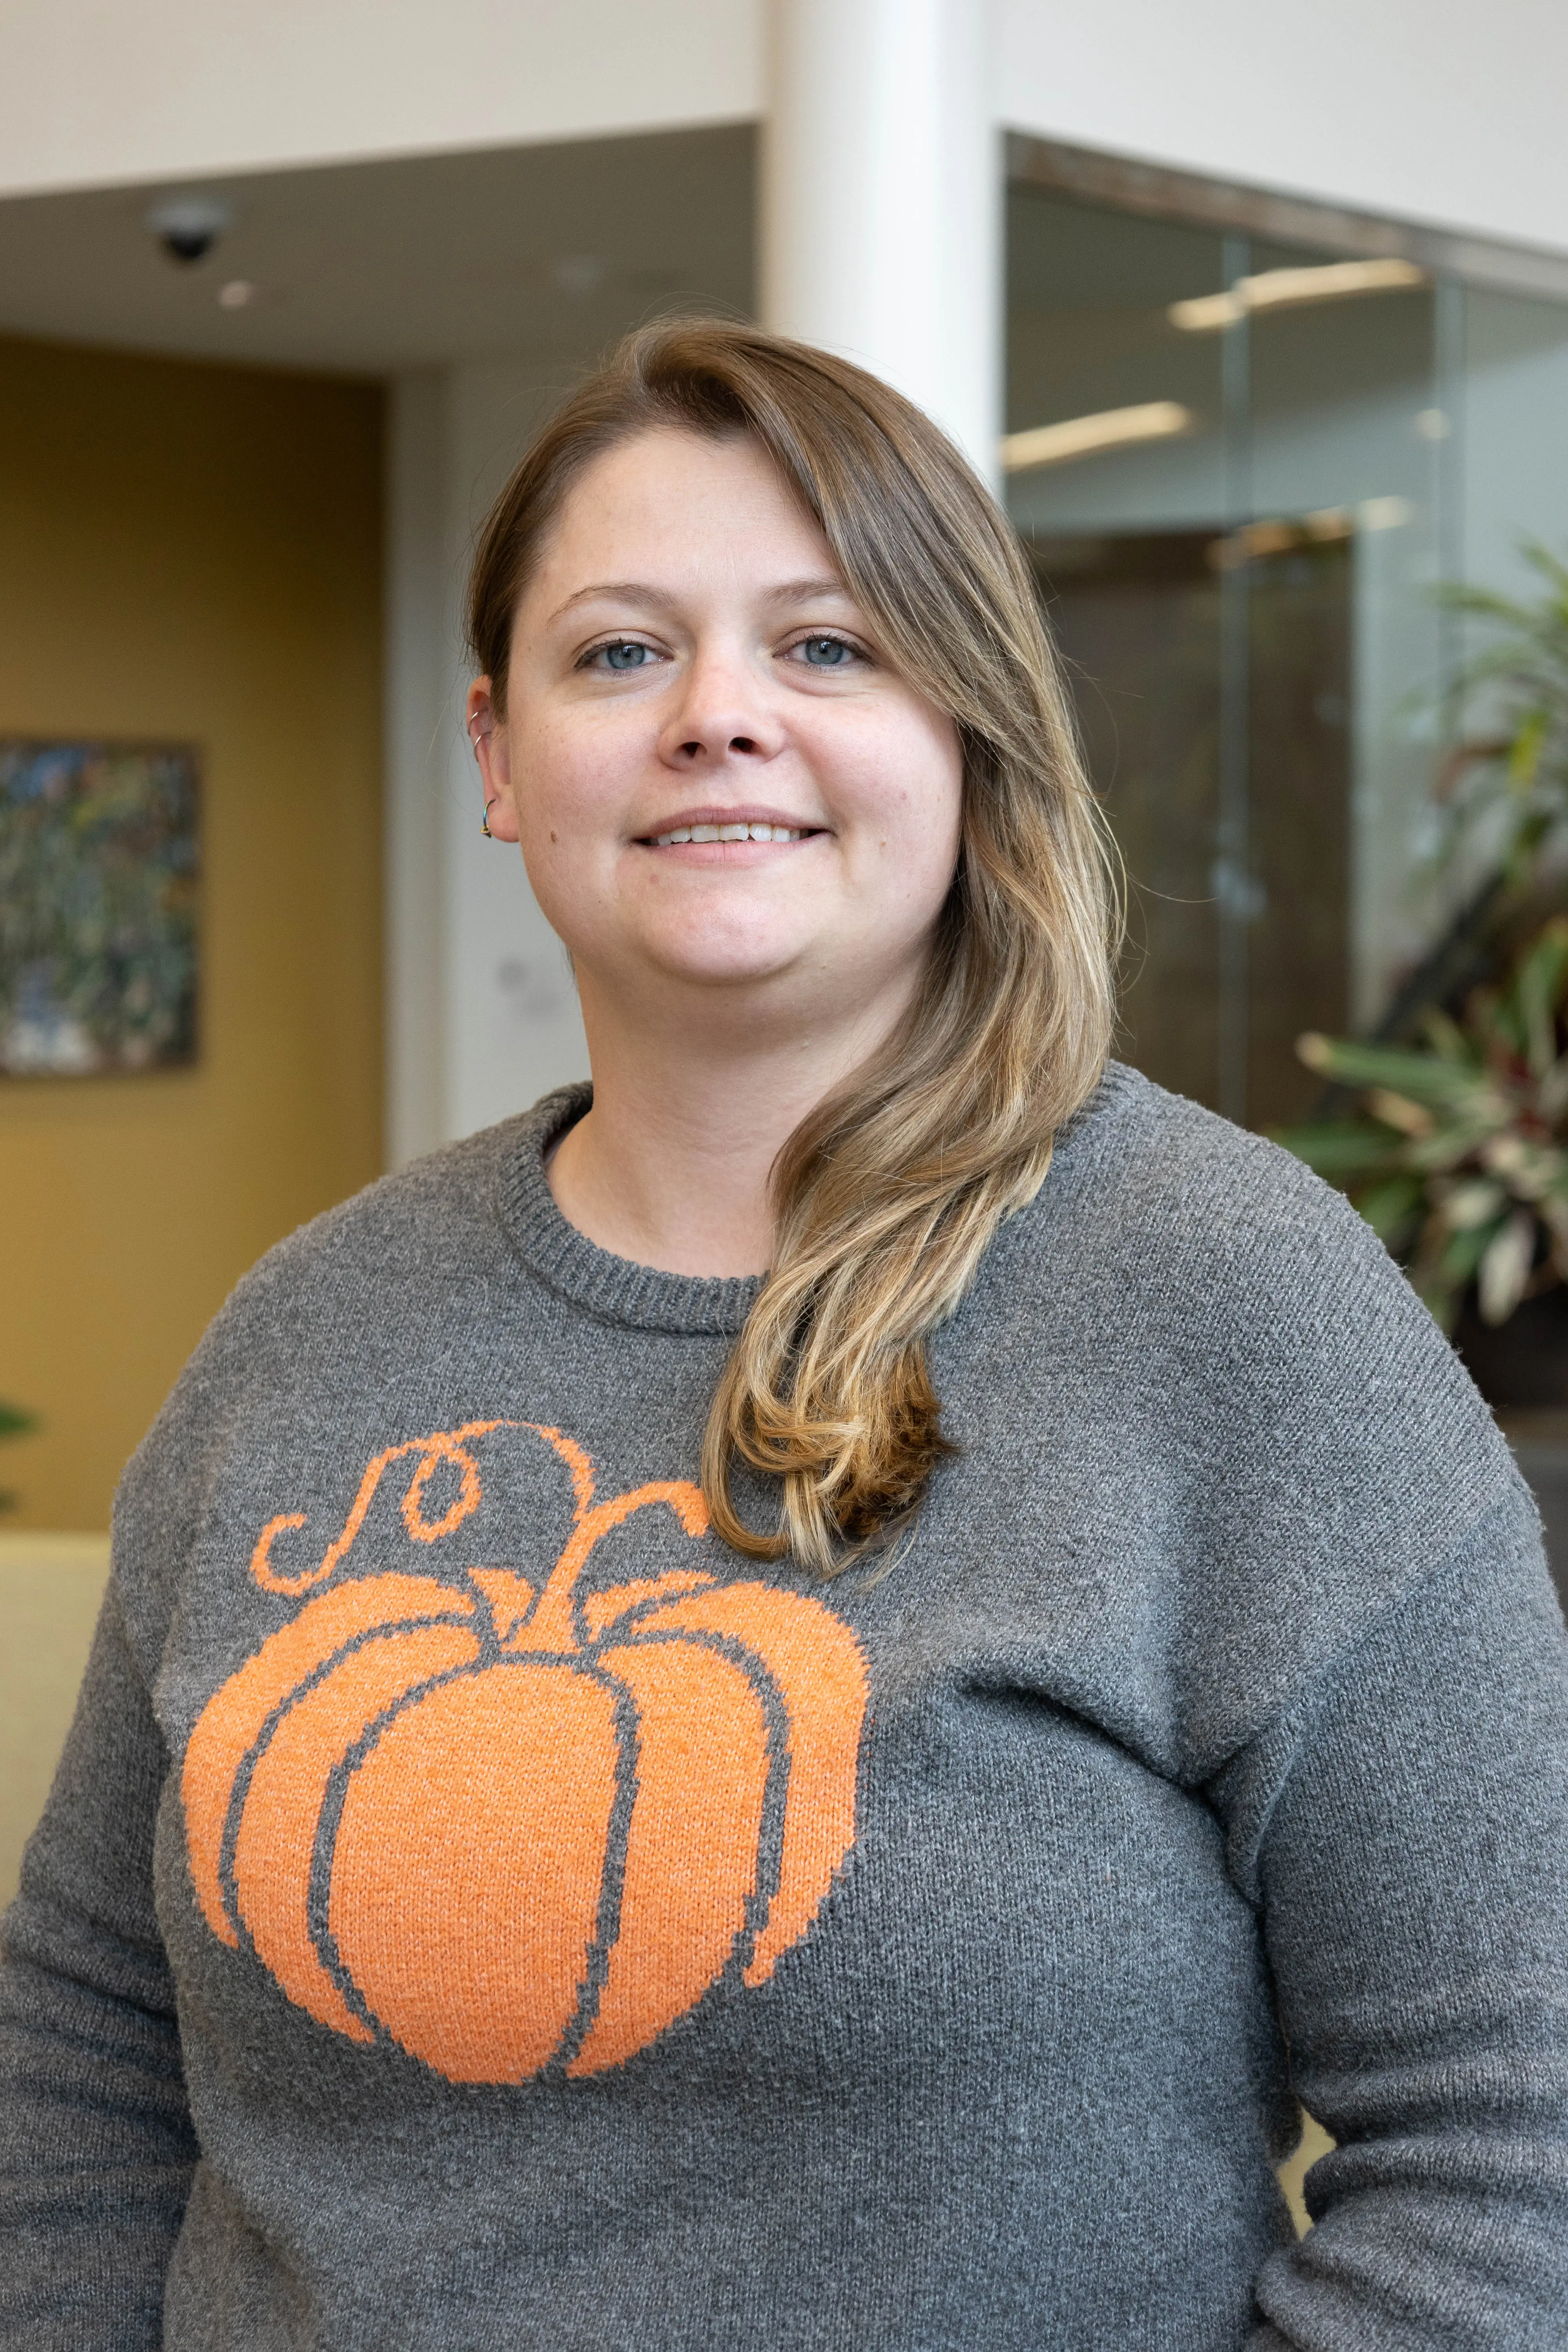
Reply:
x=1426 y=1078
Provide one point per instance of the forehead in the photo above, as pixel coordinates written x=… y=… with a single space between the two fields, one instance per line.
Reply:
x=679 y=500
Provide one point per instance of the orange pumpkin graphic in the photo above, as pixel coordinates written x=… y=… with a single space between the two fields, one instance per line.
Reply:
x=512 y=1827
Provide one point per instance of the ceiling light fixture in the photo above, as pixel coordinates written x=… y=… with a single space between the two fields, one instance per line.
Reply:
x=1289 y=290
x=237 y=295
x=1084 y=436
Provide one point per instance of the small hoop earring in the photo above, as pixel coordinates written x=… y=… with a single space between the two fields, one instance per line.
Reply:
x=474 y=748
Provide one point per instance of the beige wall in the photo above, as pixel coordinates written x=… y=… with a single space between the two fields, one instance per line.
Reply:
x=193 y=554
x=51 y=1588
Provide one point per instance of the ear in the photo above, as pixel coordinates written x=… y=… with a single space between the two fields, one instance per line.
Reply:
x=488 y=735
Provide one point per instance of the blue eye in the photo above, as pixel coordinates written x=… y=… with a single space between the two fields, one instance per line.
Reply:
x=625 y=656
x=826 y=653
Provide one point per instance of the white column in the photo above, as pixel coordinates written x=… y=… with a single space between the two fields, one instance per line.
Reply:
x=512 y=1029
x=415 y=691
x=881 y=212
x=482 y=1015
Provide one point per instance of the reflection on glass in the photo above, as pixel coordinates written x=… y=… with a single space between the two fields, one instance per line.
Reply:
x=1241 y=469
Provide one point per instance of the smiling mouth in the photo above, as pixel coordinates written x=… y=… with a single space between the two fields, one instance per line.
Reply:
x=681 y=834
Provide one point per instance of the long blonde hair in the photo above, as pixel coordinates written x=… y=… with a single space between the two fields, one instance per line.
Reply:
x=887 y=1195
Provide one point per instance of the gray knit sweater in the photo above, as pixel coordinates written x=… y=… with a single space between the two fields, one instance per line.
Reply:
x=477 y=1910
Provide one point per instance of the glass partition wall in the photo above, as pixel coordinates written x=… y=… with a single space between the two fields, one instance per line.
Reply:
x=1242 y=468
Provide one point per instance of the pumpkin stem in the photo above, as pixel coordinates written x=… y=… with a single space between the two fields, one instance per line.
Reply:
x=553 y=1624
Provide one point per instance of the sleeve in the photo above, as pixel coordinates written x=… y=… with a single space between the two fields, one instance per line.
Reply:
x=97 y=2147
x=1405 y=1834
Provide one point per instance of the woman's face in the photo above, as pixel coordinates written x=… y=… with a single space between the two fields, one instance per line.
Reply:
x=717 y=780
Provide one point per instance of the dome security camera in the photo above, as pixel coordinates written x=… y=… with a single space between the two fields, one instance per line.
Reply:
x=187 y=227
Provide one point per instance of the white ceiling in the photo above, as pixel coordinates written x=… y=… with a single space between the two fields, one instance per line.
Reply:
x=369 y=268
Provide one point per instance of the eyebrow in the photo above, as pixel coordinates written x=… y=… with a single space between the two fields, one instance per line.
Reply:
x=639 y=592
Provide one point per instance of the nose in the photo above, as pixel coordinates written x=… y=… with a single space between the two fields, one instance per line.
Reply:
x=721 y=713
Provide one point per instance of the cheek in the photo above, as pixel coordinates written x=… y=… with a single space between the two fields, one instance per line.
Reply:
x=917 y=820
x=551 y=792
x=565 y=778
x=543 y=767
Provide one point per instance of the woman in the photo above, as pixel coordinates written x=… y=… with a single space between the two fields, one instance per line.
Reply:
x=790 y=1703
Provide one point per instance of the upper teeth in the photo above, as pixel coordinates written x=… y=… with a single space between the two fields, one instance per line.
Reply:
x=729 y=833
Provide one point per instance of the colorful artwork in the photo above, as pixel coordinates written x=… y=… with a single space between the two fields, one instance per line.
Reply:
x=98 y=868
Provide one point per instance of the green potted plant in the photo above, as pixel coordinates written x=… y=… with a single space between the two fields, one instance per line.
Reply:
x=1449 y=1130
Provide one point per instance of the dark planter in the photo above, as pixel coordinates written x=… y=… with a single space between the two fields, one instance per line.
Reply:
x=1521 y=1365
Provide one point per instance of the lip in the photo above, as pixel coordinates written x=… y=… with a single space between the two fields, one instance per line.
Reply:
x=750 y=813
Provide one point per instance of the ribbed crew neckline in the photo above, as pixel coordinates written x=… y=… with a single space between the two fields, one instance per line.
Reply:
x=616 y=1289
x=643 y=1297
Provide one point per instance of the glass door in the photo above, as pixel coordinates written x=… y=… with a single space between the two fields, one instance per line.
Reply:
x=1241 y=469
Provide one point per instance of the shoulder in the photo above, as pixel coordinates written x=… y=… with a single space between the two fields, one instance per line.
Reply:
x=430 y=1221
x=1249 y=1388
x=373 y=1277
x=384 y=1252
x=1176 y=1178
x=1221 y=1243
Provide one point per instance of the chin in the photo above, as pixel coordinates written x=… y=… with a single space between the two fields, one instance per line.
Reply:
x=724 y=955
x=721 y=972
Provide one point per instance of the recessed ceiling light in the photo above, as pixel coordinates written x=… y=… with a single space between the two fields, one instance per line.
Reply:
x=237 y=295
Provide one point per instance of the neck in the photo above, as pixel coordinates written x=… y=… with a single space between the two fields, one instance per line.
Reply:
x=692 y=1104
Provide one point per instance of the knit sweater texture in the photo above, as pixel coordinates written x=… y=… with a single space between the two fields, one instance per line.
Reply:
x=475 y=1909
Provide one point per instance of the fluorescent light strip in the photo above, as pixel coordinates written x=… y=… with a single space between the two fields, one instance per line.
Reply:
x=1084 y=437
x=1284 y=289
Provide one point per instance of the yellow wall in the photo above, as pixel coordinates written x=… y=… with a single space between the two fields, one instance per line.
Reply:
x=192 y=553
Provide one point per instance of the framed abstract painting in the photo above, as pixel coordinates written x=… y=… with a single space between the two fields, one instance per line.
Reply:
x=100 y=874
